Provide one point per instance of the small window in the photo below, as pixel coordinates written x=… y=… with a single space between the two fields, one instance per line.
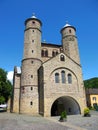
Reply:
x=32 y=41
x=31 y=88
x=31 y=103
x=94 y=98
x=63 y=76
x=32 y=51
x=44 y=53
x=62 y=58
x=33 y=22
x=32 y=30
x=70 y=31
x=69 y=78
x=56 y=77
x=54 y=53
x=31 y=76
x=32 y=61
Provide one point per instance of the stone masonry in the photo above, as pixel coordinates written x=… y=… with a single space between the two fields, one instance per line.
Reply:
x=49 y=80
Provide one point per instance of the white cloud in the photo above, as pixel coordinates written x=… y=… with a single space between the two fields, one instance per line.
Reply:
x=10 y=76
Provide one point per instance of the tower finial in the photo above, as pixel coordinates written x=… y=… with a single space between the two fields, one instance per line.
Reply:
x=33 y=15
x=67 y=24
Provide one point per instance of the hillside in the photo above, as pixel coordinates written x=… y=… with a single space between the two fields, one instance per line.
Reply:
x=91 y=83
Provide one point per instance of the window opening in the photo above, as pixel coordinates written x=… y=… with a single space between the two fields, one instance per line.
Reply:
x=62 y=58
x=54 y=53
x=69 y=78
x=33 y=22
x=31 y=103
x=63 y=76
x=31 y=76
x=56 y=77
x=32 y=41
x=70 y=31
x=44 y=53
x=31 y=88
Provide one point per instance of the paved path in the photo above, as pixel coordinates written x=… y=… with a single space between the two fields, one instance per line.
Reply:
x=10 y=121
x=88 y=123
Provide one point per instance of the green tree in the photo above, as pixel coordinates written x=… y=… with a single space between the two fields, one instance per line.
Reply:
x=5 y=86
x=91 y=83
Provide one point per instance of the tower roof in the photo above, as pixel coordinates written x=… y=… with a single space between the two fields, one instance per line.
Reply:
x=33 y=17
x=68 y=25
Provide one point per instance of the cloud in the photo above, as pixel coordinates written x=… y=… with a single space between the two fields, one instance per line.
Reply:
x=10 y=76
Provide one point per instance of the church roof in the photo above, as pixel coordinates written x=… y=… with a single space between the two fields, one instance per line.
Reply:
x=50 y=44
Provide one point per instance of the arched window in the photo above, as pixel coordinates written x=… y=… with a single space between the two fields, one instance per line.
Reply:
x=56 y=77
x=44 y=53
x=31 y=103
x=70 y=31
x=54 y=53
x=62 y=58
x=31 y=88
x=63 y=76
x=69 y=78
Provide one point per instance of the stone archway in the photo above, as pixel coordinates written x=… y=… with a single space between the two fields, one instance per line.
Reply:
x=65 y=103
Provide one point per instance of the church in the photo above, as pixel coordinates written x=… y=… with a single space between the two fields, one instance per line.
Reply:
x=49 y=80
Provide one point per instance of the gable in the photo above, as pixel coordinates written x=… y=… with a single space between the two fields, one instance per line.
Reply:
x=57 y=63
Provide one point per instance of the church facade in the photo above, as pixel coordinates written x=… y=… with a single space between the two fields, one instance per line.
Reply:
x=49 y=80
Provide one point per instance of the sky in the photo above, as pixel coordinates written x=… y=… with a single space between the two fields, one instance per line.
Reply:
x=82 y=14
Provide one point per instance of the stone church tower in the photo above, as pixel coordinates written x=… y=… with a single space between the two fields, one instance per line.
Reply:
x=49 y=80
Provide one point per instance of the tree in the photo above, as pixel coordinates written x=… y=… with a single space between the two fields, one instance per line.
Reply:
x=91 y=83
x=5 y=86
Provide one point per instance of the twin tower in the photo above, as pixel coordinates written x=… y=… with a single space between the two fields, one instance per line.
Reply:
x=49 y=80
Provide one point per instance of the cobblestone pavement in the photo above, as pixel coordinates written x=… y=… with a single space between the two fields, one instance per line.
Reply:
x=11 y=121
x=87 y=123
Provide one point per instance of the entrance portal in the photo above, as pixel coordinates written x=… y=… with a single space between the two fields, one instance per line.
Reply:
x=65 y=103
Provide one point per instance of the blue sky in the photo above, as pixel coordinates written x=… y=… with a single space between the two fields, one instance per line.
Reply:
x=82 y=14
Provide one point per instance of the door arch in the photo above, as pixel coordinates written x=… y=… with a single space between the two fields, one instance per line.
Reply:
x=65 y=103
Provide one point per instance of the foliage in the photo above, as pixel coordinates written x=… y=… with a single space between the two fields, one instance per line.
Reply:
x=91 y=83
x=2 y=99
x=86 y=112
x=5 y=86
x=63 y=115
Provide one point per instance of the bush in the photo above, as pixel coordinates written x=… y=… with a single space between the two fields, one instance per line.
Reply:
x=86 y=112
x=63 y=116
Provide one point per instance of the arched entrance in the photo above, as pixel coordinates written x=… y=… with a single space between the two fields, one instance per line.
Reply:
x=65 y=103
